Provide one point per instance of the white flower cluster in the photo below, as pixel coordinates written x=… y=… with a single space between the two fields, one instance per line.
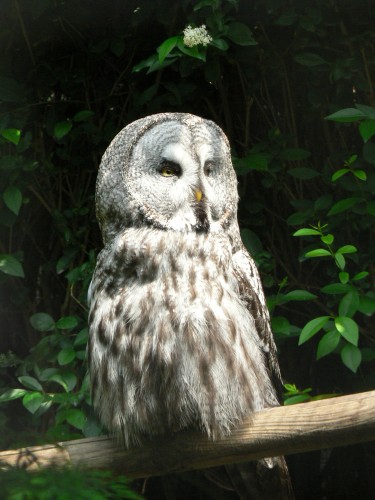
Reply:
x=196 y=36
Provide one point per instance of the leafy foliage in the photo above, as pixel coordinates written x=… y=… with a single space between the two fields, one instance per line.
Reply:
x=291 y=83
x=63 y=484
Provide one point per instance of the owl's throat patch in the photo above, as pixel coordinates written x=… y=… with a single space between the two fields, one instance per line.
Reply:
x=200 y=212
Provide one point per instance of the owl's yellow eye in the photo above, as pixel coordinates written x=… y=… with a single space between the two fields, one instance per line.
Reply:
x=167 y=171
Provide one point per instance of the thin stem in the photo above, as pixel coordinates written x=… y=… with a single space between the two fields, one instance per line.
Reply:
x=24 y=32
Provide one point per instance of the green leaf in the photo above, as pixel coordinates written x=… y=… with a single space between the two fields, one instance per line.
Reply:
x=12 y=197
x=145 y=63
x=197 y=52
x=328 y=239
x=66 y=356
x=92 y=428
x=343 y=205
x=360 y=174
x=30 y=383
x=306 y=232
x=329 y=395
x=301 y=398
x=311 y=328
x=66 y=259
x=339 y=173
x=67 y=380
x=351 y=356
x=240 y=34
x=328 y=343
x=32 y=401
x=367 y=110
x=81 y=355
x=42 y=322
x=166 y=47
x=349 y=304
x=253 y=161
x=70 y=379
x=12 y=394
x=303 y=173
x=309 y=59
x=299 y=218
x=348 y=249
x=82 y=337
x=344 y=277
x=352 y=159
x=346 y=115
x=291 y=388
x=68 y=399
x=83 y=115
x=61 y=129
x=280 y=325
x=67 y=323
x=347 y=329
x=367 y=129
x=336 y=288
x=318 y=252
x=287 y=18
x=340 y=260
x=12 y=135
x=76 y=418
x=45 y=375
x=219 y=43
x=251 y=241
x=323 y=202
x=360 y=276
x=10 y=265
x=366 y=305
x=299 y=295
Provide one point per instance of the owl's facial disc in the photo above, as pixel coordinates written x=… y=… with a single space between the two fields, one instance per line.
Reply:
x=180 y=177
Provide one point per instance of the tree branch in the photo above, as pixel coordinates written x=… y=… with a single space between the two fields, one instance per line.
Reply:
x=277 y=431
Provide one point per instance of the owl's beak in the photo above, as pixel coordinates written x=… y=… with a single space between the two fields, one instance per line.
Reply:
x=198 y=195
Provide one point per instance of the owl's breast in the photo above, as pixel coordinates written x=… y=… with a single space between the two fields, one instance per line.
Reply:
x=158 y=293
x=183 y=262
x=170 y=335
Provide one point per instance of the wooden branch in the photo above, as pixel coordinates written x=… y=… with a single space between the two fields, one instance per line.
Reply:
x=277 y=431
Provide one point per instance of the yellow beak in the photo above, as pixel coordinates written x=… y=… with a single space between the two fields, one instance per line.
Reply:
x=198 y=195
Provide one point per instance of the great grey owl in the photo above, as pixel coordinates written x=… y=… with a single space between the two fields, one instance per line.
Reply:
x=179 y=329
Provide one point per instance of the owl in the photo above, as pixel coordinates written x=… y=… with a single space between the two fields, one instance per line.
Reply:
x=179 y=329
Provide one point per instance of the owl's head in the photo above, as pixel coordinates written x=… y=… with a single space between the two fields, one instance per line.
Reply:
x=169 y=171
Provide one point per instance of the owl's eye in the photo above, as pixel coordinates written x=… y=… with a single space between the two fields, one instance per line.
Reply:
x=208 y=168
x=167 y=171
x=170 y=170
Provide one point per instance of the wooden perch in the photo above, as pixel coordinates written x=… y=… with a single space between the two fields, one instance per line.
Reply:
x=278 y=431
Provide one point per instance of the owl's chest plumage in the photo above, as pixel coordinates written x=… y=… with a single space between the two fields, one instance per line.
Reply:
x=172 y=344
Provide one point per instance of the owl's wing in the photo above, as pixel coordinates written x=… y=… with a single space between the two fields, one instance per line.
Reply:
x=265 y=479
x=251 y=293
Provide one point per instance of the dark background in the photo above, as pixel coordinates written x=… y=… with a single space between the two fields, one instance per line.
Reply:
x=72 y=74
